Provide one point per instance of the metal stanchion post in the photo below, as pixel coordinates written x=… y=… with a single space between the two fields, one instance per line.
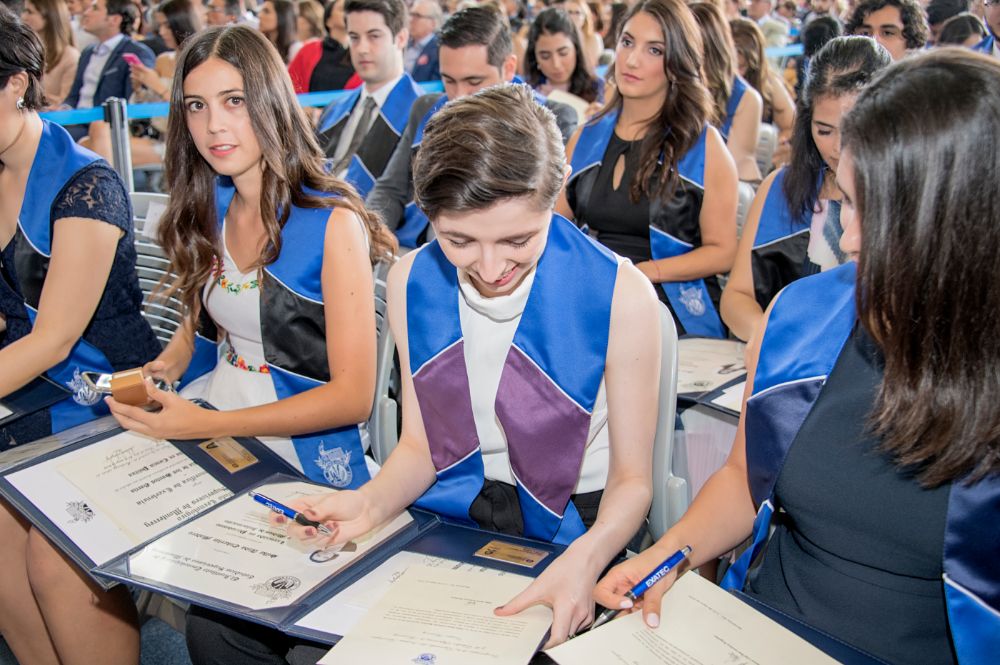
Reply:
x=116 y=115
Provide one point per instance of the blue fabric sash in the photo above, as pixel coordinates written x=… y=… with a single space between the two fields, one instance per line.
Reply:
x=57 y=160
x=739 y=88
x=985 y=46
x=808 y=327
x=548 y=386
x=335 y=456
x=776 y=221
x=394 y=112
x=689 y=300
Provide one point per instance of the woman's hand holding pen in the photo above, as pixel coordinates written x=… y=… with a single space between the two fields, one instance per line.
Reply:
x=177 y=419
x=610 y=591
x=346 y=513
x=566 y=587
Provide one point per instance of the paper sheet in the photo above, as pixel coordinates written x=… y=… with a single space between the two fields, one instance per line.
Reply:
x=233 y=553
x=706 y=364
x=439 y=616
x=732 y=397
x=4 y=411
x=700 y=624
x=117 y=493
x=340 y=614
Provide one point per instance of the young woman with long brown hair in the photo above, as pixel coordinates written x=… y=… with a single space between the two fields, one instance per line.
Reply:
x=50 y=21
x=651 y=180
x=752 y=65
x=868 y=444
x=274 y=263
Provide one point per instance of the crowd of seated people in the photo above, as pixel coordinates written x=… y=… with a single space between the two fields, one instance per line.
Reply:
x=609 y=194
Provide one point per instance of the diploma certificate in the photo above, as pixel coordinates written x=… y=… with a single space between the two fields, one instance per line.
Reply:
x=706 y=364
x=234 y=554
x=117 y=493
x=700 y=624
x=445 y=616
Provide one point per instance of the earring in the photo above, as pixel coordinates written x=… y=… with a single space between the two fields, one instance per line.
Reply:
x=20 y=103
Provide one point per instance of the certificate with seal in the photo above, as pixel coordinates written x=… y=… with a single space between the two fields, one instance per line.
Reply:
x=233 y=554
x=445 y=616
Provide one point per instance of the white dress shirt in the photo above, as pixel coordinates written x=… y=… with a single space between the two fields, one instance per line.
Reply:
x=95 y=67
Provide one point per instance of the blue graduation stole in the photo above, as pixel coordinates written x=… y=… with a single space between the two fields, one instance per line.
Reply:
x=808 y=327
x=780 y=245
x=294 y=337
x=690 y=301
x=57 y=160
x=739 y=87
x=414 y=220
x=394 y=113
x=985 y=46
x=547 y=390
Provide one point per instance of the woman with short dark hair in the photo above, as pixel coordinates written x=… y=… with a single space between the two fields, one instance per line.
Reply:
x=869 y=441
x=530 y=359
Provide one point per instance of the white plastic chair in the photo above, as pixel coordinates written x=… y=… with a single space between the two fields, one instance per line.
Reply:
x=163 y=314
x=382 y=424
x=767 y=143
x=670 y=492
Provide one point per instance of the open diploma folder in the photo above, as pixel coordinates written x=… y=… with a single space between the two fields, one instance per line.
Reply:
x=100 y=496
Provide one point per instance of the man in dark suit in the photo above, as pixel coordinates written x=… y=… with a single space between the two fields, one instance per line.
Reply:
x=102 y=71
x=421 y=55
x=359 y=131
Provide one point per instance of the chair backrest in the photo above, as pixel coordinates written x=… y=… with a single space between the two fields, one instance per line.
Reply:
x=670 y=492
x=383 y=422
x=767 y=143
x=163 y=314
x=744 y=199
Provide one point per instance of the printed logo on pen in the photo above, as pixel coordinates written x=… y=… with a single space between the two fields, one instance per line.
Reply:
x=79 y=511
x=277 y=588
x=425 y=659
x=336 y=465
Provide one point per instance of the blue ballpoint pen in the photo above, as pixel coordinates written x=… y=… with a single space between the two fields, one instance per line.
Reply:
x=642 y=587
x=290 y=513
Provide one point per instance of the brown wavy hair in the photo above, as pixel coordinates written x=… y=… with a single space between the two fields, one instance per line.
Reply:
x=57 y=33
x=292 y=163
x=927 y=288
x=685 y=110
x=720 y=56
x=749 y=42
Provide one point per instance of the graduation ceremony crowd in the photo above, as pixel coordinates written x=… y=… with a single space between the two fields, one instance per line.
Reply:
x=589 y=168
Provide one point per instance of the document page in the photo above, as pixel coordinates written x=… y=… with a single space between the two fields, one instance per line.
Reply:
x=234 y=554
x=700 y=624
x=443 y=616
x=340 y=614
x=4 y=411
x=119 y=492
x=732 y=397
x=706 y=364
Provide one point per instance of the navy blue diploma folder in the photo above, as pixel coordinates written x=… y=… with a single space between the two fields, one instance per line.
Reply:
x=266 y=464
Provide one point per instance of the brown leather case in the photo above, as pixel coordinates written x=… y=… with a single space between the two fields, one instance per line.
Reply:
x=129 y=387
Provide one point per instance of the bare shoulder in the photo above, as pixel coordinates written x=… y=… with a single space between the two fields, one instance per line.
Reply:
x=634 y=294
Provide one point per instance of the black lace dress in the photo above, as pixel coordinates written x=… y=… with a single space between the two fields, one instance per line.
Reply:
x=117 y=328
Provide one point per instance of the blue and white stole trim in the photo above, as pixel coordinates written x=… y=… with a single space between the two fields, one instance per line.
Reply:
x=690 y=301
x=809 y=324
x=57 y=160
x=776 y=220
x=739 y=88
x=394 y=113
x=985 y=46
x=548 y=386
x=294 y=337
x=414 y=220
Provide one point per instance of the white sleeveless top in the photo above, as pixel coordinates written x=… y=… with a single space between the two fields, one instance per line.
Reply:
x=488 y=328
x=232 y=299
